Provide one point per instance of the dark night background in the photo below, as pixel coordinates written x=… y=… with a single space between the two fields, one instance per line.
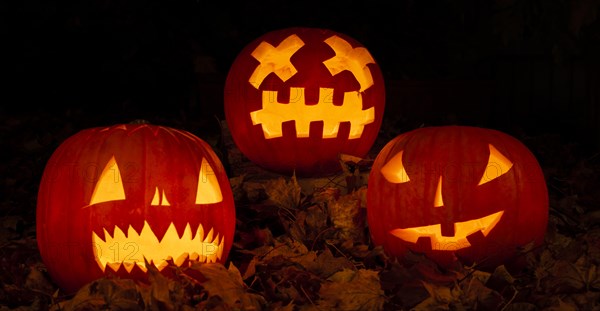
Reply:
x=508 y=64
x=528 y=67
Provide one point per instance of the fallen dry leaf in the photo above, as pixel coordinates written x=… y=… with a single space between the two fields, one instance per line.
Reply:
x=108 y=294
x=346 y=216
x=352 y=290
x=562 y=306
x=440 y=297
x=285 y=194
x=300 y=246
x=229 y=286
x=326 y=264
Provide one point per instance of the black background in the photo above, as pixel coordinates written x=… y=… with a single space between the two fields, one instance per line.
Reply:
x=108 y=62
x=528 y=67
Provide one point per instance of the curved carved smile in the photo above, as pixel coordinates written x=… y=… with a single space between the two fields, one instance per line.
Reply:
x=450 y=243
x=133 y=248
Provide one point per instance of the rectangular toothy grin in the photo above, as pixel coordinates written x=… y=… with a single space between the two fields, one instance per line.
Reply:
x=133 y=248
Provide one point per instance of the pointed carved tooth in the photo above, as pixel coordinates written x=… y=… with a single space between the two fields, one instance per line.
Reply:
x=119 y=235
x=187 y=232
x=199 y=234
x=147 y=236
x=221 y=246
x=170 y=236
x=128 y=266
x=127 y=248
x=114 y=265
x=209 y=236
x=102 y=264
x=181 y=259
x=96 y=238
x=142 y=264
x=132 y=235
x=161 y=265
x=98 y=247
x=106 y=235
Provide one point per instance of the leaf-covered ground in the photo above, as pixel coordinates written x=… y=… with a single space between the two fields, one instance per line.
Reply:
x=303 y=244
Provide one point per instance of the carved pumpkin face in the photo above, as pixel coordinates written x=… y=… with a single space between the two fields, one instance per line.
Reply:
x=112 y=199
x=296 y=98
x=457 y=192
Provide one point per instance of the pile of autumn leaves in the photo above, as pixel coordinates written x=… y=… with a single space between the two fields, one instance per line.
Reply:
x=311 y=252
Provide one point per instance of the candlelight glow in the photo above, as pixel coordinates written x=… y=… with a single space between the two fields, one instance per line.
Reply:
x=450 y=243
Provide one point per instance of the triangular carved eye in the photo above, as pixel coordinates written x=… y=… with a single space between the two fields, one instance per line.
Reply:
x=497 y=166
x=208 y=185
x=394 y=170
x=110 y=185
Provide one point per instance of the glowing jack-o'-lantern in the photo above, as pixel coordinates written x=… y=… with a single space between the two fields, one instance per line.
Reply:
x=456 y=192
x=113 y=199
x=298 y=97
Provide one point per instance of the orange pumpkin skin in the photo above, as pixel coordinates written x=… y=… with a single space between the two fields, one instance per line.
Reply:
x=451 y=179
x=317 y=67
x=131 y=180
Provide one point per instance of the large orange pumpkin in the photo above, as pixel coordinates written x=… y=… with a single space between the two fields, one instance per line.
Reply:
x=457 y=193
x=112 y=198
x=296 y=98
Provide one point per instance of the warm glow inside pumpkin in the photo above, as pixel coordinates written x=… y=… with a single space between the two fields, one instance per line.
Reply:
x=497 y=165
x=453 y=191
x=139 y=247
x=296 y=98
x=114 y=199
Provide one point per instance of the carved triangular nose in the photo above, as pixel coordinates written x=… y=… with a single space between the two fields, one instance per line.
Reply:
x=447 y=227
x=437 y=200
x=158 y=199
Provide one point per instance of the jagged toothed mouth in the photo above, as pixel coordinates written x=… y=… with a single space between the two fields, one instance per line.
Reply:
x=450 y=243
x=134 y=249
